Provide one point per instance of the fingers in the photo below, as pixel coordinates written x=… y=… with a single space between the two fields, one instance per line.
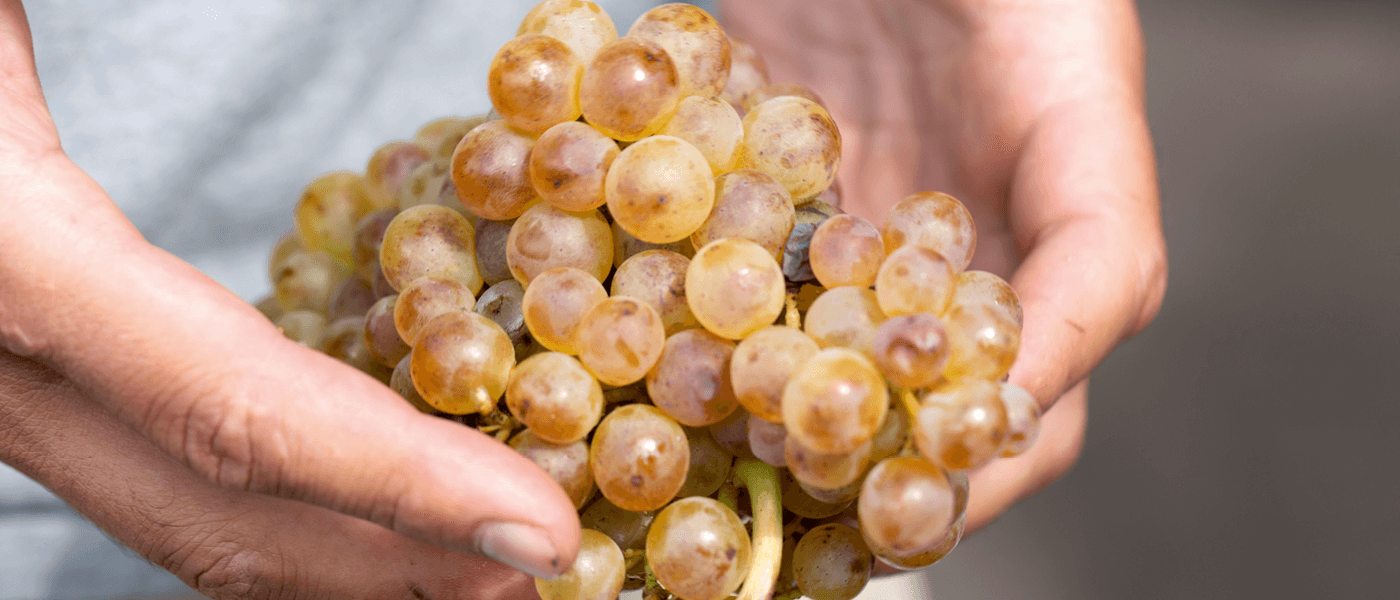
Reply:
x=207 y=379
x=1085 y=214
x=223 y=543
x=1006 y=481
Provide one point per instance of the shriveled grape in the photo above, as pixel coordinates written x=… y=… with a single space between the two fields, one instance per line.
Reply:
x=491 y=261
x=504 y=303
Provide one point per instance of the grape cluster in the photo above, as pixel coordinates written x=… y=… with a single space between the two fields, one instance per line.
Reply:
x=635 y=273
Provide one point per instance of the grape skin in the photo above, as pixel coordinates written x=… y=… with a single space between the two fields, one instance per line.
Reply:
x=369 y=236
x=304 y=327
x=565 y=462
x=627 y=529
x=782 y=88
x=845 y=317
x=915 y=279
x=533 y=82
x=906 y=505
x=598 y=572
x=381 y=337
x=1022 y=419
x=709 y=464
x=345 y=341
x=694 y=40
x=553 y=395
x=305 y=281
x=712 y=126
x=630 y=89
x=352 y=299
x=547 y=238
x=747 y=74
x=504 y=304
x=657 y=277
x=569 y=164
x=289 y=243
x=832 y=562
x=429 y=240
x=424 y=185
x=555 y=303
x=981 y=287
x=962 y=425
x=625 y=246
x=762 y=364
x=835 y=402
x=491 y=243
x=425 y=299
x=490 y=168
x=846 y=250
x=981 y=343
x=767 y=440
x=751 y=205
x=935 y=221
x=620 y=339
x=911 y=350
x=732 y=434
x=582 y=25
x=941 y=548
x=461 y=363
x=889 y=440
x=401 y=381
x=698 y=549
x=799 y=502
x=639 y=457
x=734 y=287
x=389 y=167
x=328 y=210
x=797 y=266
x=822 y=470
x=440 y=136
x=691 y=378
x=795 y=140
x=660 y=189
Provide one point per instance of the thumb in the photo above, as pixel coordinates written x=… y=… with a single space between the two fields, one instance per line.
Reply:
x=205 y=377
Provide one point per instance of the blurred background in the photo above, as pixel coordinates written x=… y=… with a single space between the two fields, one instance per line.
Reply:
x=1241 y=447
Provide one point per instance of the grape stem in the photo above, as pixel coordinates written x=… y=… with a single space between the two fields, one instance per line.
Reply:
x=794 y=320
x=766 y=500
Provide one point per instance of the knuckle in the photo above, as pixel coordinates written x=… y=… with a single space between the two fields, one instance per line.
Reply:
x=223 y=565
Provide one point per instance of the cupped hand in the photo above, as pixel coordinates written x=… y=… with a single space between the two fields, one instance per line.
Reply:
x=1031 y=113
x=173 y=415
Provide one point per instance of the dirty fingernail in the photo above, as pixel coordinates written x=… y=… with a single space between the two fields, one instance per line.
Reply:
x=520 y=546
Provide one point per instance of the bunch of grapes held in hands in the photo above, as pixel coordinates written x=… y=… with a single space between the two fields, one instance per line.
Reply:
x=635 y=272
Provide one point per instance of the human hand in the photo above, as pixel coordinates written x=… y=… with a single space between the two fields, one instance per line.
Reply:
x=174 y=416
x=1032 y=114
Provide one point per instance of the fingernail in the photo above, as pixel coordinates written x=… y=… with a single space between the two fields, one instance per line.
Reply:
x=520 y=546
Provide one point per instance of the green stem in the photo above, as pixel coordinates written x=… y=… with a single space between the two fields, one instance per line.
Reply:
x=766 y=501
